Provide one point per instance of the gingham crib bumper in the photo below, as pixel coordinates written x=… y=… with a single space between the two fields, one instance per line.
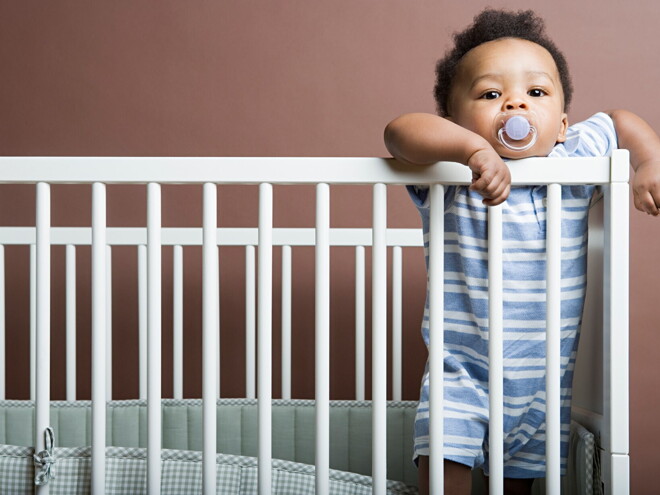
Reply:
x=181 y=473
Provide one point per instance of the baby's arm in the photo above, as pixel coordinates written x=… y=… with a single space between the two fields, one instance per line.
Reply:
x=635 y=135
x=424 y=139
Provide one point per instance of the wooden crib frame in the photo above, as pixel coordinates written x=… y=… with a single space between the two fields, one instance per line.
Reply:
x=606 y=317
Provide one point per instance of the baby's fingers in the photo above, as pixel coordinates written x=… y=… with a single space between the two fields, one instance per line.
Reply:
x=498 y=198
x=646 y=188
x=492 y=186
x=646 y=202
x=484 y=184
x=490 y=176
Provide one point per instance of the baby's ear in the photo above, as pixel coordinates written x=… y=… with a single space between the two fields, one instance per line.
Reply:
x=561 y=137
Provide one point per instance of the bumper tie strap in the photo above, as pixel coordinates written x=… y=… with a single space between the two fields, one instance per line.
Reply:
x=44 y=460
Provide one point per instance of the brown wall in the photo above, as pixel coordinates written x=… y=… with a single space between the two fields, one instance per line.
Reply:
x=263 y=78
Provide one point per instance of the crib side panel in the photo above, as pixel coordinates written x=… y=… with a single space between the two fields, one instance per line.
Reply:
x=591 y=397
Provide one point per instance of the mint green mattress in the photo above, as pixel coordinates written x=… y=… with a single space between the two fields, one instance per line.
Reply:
x=126 y=426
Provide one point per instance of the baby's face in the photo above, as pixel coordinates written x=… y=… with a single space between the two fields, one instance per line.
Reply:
x=515 y=76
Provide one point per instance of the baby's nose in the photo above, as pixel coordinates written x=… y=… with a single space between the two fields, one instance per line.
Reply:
x=515 y=104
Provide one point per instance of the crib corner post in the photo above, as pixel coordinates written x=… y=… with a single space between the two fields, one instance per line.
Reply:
x=615 y=440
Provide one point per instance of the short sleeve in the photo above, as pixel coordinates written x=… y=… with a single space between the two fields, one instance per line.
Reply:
x=595 y=136
x=421 y=196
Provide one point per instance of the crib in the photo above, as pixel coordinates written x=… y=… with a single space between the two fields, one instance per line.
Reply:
x=267 y=444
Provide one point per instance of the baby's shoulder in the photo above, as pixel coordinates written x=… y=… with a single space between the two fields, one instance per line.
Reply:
x=595 y=136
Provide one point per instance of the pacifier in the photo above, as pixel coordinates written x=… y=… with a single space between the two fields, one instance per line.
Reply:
x=516 y=131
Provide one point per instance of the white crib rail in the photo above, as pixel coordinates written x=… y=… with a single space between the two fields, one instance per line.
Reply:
x=296 y=170
x=42 y=171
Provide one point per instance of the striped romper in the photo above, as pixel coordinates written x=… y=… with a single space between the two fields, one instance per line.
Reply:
x=466 y=313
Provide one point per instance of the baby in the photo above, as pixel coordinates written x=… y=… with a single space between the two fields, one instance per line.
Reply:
x=502 y=93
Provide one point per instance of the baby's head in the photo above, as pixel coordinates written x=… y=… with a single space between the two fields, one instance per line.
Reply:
x=503 y=65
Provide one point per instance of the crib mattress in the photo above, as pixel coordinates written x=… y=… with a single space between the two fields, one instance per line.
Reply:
x=126 y=472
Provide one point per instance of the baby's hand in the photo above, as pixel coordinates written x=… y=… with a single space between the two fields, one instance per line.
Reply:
x=646 y=188
x=490 y=176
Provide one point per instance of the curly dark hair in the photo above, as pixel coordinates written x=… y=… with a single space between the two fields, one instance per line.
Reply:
x=491 y=25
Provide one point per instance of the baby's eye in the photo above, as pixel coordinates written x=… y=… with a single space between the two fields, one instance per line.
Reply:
x=536 y=92
x=490 y=95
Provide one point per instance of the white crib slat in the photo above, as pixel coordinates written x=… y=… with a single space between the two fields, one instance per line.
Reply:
x=217 y=316
x=397 y=317
x=108 y=324
x=379 y=340
x=70 y=322
x=2 y=323
x=264 y=314
x=33 y=321
x=250 y=322
x=286 y=322
x=495 y=352
x=153 y=338
x=42 y=402
x=142 y=319
x=210 y=336
x=99 y=322
x=177 y=321
x=322 y=343
x=553 y=336
x=360 y=314
x=436 y=337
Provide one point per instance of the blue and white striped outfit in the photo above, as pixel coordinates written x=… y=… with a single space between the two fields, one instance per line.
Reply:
x=466 y=313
